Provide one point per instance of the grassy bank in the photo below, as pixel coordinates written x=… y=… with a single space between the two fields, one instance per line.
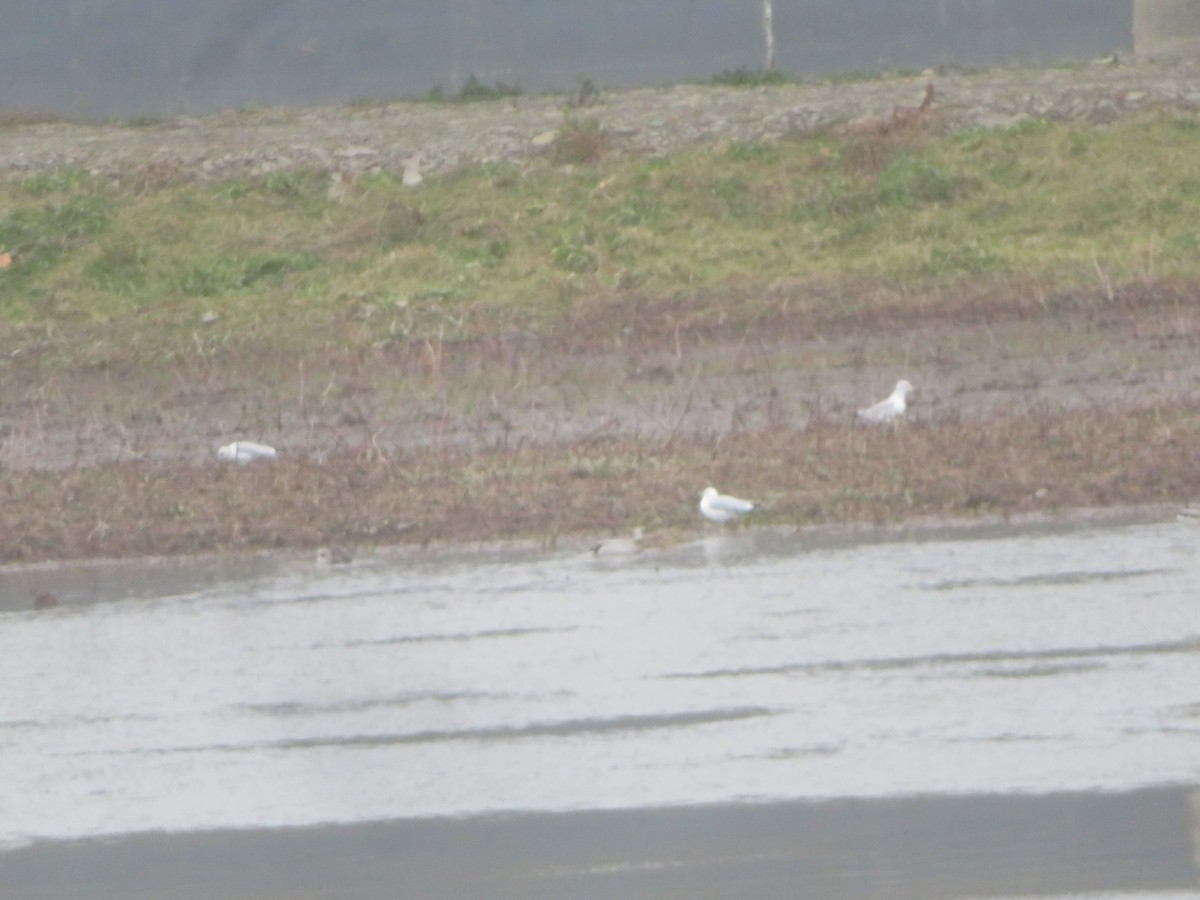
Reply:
x=578 y=344
x=147 y=267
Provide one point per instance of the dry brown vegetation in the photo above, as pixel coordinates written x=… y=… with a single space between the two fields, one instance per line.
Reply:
x=612 y=422
x=1036 y=459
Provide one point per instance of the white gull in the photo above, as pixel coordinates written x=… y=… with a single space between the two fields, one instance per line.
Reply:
x=246 y=451
x=718 y=507
x=889 y=410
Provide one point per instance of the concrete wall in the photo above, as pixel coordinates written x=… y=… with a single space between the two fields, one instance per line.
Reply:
x=105 y=58
x=1166 y=28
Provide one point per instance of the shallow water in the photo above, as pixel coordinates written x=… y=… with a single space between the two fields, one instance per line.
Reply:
x=750 y=667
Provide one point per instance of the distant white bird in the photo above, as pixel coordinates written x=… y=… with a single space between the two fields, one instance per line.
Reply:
x=246 y=451
x=888 y=411
x=717 y=507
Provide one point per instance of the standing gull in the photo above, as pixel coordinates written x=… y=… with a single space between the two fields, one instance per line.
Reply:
x=246 y=451
x=717 y=507
x=889 y=410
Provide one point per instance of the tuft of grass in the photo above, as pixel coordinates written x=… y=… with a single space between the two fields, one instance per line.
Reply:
x=744 y=77
x=857 y=76
x=912 y=180
x=230 y=274
x=41 y=235
x=145 y=121
x=22 y=118
x=587 y=94
x=475 y=91
x=580 y=141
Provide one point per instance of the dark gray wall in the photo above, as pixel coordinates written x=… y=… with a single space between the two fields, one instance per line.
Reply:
x=1166 y=27
x=103 y=58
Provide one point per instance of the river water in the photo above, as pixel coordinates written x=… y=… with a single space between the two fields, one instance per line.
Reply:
x=743 y=670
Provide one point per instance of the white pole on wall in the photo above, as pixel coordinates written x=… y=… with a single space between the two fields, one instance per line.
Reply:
x=769 y=34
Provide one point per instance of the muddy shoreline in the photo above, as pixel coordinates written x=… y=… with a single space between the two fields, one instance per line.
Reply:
x=1033 y=416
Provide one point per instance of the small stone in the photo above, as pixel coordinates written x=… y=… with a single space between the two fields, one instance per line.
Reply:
x=355 y=151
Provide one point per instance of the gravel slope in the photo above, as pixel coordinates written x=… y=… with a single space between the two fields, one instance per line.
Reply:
x=652 y=120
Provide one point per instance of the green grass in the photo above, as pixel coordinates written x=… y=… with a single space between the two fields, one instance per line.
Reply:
x=279 y=260
x=746 y=77
x=474 y=91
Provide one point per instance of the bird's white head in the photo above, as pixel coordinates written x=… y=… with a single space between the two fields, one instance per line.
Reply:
x=903 y=388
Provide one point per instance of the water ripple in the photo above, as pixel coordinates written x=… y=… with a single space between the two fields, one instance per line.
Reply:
x=1187 y=645
x=1045 y=579
x=564 y=728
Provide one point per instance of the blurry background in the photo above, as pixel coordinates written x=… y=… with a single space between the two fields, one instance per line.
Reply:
x=124 y=58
